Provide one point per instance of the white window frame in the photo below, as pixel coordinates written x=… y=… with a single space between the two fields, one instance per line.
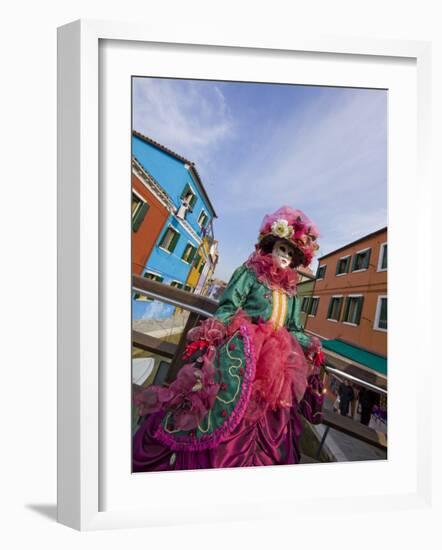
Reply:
x=360 y=252
x=170 y=226
x=378 y=314
x=314 y=298
x=319 y=267
x=178 y=282
x=331 y=298
x=354 y=296
x=349 y=266
x=153 y=273
x=382 y=247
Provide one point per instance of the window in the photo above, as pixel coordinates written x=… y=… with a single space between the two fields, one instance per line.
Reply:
x=314 y=302
x=152 y=277
x=189 y=195
x=361 y=260
x=139 y=210
x=188 y=288
x=334 y=308
x=305 y=304
x=203 y=219
x=201 y=267
x=382 y=263
x=169 y=240
x=343 y=265
x=353 y=309
x=176 y=284
x=380 y=322
x=320 y=274
x=189 y=253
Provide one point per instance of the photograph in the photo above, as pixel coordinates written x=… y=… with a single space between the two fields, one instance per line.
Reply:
x=259 y=236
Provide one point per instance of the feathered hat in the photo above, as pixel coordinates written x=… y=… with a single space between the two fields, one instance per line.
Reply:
x=293 y=226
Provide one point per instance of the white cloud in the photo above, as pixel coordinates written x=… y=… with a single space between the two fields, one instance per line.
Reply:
x=191 y=118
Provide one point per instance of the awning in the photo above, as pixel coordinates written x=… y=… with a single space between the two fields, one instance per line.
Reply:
x=360 y=363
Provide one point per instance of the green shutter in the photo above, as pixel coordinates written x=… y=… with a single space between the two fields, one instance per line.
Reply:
x=367 y=259
x=139 y=216
x=347 y=306
x=192 y=254
x=330 y=306
x=175 y=238
x=192 y=201
x=359 y=310
x=185 y=190
x=341 y=301
x=183 y=257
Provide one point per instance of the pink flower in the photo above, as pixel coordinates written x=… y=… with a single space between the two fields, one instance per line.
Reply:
x=189 y=398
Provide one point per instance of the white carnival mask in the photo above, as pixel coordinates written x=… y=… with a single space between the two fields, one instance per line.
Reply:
x=283 y=253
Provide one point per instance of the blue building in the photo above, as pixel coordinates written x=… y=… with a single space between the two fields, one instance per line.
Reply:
x=177 y=184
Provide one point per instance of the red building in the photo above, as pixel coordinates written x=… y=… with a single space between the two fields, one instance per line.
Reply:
x=149 y=215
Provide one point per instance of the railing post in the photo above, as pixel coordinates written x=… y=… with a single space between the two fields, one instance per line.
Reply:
x=318 y=452
x=177 y=360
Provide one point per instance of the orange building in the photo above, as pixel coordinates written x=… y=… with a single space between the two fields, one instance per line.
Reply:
x=350 y=294
x=348 y=310
x=149 y=216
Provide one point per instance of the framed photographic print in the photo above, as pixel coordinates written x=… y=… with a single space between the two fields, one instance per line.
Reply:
x=231 y=238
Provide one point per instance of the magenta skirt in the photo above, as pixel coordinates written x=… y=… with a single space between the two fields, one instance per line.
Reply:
x=271 y=439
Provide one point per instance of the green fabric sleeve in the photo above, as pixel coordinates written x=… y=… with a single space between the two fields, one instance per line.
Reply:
x=295 y=325
x=235 y=294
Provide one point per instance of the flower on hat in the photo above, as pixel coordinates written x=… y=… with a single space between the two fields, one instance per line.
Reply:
x=281 y=228
x=295 y=226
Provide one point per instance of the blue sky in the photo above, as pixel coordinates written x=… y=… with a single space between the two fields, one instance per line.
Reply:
x=260 y=146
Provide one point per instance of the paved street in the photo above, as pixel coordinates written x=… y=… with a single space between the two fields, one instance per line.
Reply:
x=346 y=448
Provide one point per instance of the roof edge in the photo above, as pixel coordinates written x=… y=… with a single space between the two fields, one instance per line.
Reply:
x=354 y=242
x=184 y=160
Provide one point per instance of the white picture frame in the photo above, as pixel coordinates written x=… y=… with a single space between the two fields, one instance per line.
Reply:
x=81 y=294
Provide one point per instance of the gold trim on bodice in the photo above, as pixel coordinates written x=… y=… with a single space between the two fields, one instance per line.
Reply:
x=279 y=312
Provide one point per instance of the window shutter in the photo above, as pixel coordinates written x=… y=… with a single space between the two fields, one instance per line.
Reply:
x=359 y=310
x=367 y=258
x=353 y=267
x=338 y=264
x=192 y=201
x=174 y=241
x=185 y=190
x=192 y=254
x=330 y=307
x=341 y=301
x=163 y=238
x=347 y=306
x=139 y=216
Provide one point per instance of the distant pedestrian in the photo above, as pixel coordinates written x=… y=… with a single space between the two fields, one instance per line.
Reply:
x=346 y=396
x=367 y=399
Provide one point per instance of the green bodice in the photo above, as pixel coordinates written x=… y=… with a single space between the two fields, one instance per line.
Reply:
x=245 y=292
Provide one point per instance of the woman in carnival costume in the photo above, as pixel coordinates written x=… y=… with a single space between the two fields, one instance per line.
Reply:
x=249 y=371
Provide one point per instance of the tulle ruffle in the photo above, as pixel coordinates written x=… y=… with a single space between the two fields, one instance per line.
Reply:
x=281 y=367
x=268 y=273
